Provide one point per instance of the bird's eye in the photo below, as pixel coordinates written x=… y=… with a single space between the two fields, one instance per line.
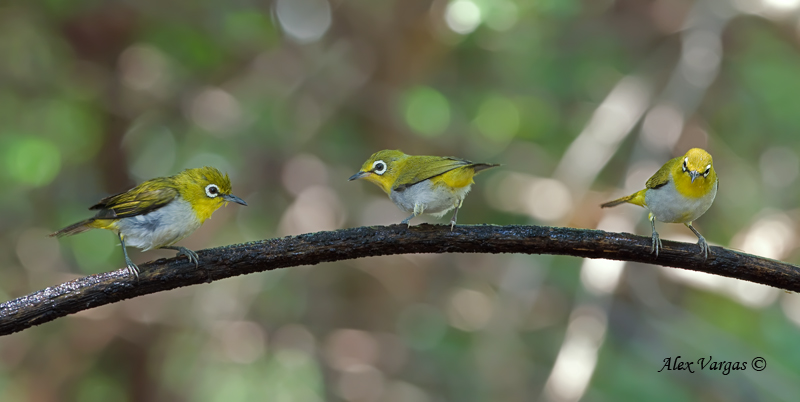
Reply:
x=212 y=190
x=379 y=167
x=685 y=161
x=708 y=170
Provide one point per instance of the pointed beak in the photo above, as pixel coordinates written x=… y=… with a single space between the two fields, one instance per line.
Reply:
x=233 y=198
x=694 y=174
x=359 y=175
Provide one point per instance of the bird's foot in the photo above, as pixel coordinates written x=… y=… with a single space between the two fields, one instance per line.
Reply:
x=656 y=244
x=132 y=269
x=407 y=221
x=455 y=216
x=704 y=248
x=191 y=255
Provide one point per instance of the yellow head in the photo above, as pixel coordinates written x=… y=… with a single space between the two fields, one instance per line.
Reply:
x=206 y=189
x=697 y=165
x=382 y=168
x=694 y=174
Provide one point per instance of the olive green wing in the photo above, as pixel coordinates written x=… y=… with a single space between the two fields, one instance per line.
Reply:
x=421 y=168
x=146 y=197
x=662 y=176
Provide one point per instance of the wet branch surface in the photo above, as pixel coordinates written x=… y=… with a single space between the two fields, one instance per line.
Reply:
x=314 y=248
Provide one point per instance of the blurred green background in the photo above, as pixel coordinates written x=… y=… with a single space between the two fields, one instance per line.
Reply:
x=581 y=101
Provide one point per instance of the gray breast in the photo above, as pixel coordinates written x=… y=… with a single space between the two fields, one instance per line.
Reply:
x=162 y=227
x=435 y=200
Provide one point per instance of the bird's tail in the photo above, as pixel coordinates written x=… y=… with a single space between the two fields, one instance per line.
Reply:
x=636 y=198
x=75 y=228
x=478 y=167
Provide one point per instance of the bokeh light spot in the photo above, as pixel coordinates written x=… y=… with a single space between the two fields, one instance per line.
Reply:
x=427 y=111
x=215 y=111
x=498 y=119
x=361 y=383
x=503 y=15
x=469 y=310
x=782 y=5
x=144 y=68
x=348 y=348
x=315 y=209
x=303 y=171
x=305 y=21
x=32 y=161
x=462 y=16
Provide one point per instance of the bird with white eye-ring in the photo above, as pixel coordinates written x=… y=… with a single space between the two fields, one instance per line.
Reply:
x=680 y=192
x=159 y=212
x=422 y=184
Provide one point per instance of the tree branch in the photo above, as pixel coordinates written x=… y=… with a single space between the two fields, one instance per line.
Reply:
x=314 y=248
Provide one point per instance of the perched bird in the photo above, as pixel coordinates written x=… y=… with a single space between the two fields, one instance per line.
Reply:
x=160 y=212
x=680 y=192
x=422 y=184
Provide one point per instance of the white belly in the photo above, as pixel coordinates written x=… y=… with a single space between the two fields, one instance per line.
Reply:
x=434 y=200
x=670 y=206
x=162 y=227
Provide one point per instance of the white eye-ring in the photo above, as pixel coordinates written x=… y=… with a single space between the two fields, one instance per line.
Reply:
x=379 y=167
x=685 y=162
x=708 y=170
x=212 y=190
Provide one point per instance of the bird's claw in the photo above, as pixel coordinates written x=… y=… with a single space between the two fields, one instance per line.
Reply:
x=407 y=221
x=132 y=269
x=191 y=255
x=656 y=244
x=704 y=248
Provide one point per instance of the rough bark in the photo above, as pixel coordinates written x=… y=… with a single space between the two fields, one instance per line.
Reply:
x=313 y=248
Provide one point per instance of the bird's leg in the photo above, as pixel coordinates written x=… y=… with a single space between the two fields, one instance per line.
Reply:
x=185 y=251
x=455 y=215
x=192 y=256
x=418 y=209
x=702 y=242
x=656 y=240
x=132 y=268
x=407 y=220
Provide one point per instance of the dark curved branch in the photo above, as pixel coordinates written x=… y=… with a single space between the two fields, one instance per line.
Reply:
x=314 y=248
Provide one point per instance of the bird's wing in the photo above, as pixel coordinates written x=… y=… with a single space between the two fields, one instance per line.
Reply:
x=662 y=176
x=146 y=197
x=421 y=168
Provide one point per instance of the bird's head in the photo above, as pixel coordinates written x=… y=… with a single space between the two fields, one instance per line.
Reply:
x=697 y=164
x=382 y=168
x=206 y=189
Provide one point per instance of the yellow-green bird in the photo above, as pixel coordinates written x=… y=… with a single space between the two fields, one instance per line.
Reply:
x=160 y=212
x=680 y=192
x=422 y=184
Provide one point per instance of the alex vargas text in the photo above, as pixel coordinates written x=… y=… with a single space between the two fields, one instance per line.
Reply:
x=703 y=363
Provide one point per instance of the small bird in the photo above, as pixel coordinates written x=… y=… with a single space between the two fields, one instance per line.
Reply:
x=680 y=192
x=160 y=212
x=422 y=184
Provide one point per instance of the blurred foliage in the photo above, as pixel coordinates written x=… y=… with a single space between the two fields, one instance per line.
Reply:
x=291 y=96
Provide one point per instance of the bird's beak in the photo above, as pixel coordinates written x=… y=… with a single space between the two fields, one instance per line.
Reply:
x=233 y=198
x=694 y=174
x=359 y=175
